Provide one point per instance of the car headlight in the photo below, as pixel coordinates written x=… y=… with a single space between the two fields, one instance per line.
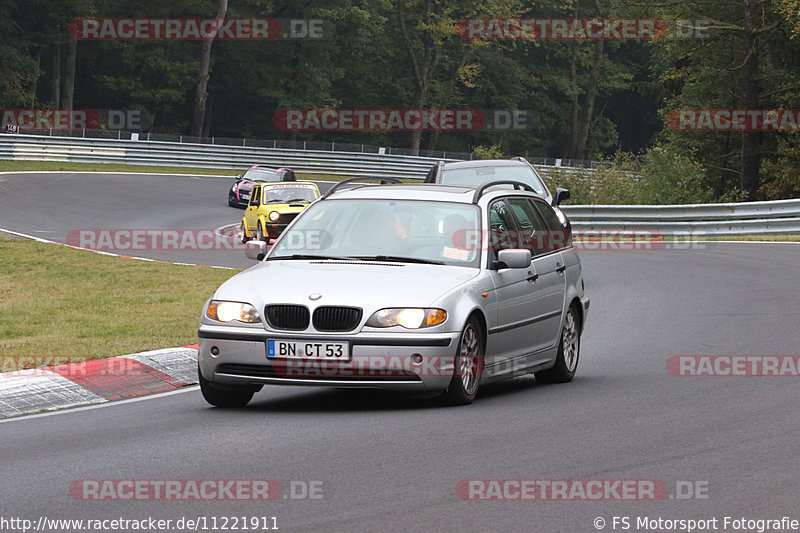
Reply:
x=409 y=318
x=230 y=311
x=274 y=215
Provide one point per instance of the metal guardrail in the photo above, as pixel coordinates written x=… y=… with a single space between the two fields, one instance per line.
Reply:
x=219 y=156
x=779 y=217
x=43 y=148
x=760 y=218
x=304 y=145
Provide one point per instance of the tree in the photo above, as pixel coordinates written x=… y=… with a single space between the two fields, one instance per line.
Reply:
x=201 y=94
x=732 y=70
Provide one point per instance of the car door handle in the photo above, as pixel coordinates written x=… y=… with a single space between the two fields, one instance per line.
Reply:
x=561 y=268
x=532 y=277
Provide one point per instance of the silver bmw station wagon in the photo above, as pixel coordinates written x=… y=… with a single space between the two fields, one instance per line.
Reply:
x=430 y=288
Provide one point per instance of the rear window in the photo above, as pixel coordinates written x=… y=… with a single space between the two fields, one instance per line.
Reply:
x=480 y=175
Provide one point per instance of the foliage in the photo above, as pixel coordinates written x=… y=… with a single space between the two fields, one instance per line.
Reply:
x=661 y=176
x=488 y=152
x=585 y=99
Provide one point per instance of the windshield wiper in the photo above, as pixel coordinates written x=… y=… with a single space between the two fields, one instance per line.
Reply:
x=399 y=259
x=309 y=256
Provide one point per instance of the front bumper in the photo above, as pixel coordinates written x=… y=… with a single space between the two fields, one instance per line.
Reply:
x=232 y=198
x=413 y=362
x=275 y=229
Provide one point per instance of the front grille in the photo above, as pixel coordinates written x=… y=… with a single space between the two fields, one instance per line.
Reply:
x=310 y=370
x=292 y=317
x=285 y=218
x=255 y=371
x=329 y=318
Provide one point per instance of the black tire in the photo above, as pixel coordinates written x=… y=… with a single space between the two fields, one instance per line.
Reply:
x=261 y=235
x=468 y=366
x=232 y=201
x=245 y=238
x=224 y=398
x=569 y=348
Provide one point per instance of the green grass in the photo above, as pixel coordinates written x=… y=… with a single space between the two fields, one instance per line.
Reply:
x=57 y=301
x=56 y=166
x=739 y=238
x=767 y=238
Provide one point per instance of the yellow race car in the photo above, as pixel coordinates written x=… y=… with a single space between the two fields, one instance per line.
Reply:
x=273 y=206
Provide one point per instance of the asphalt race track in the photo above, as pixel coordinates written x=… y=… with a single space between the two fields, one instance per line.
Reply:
x=392 y=463
x=51 y=205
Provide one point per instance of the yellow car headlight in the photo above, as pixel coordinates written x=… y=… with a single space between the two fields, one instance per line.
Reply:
x=274 y=215
x=230 y=311
x=409 y=318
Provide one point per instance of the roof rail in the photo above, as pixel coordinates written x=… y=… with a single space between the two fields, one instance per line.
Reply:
x=518 y=186
x=353 y=180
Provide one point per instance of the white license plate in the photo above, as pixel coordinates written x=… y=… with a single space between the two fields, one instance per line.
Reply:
x=290 y=349
x=245 y=197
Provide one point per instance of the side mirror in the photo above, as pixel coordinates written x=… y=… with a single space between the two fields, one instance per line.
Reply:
x=255 y=250
x=514 y=258
x=562 y=195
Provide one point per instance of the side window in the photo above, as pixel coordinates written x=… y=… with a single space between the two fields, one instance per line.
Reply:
x=255 y=199
x=502 y=227
x=532 y=235
x=558 y=236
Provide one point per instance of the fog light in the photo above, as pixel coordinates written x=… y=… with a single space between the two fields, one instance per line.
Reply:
x=214 y=351
x=416 y=359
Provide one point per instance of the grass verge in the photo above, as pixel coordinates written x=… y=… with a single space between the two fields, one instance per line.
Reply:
x=56 y=166
x=81 y=305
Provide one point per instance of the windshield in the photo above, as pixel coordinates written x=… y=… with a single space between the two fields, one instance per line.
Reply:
x=390 y=230
x=287 y=194
x=482 y=174
x=261 y=174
